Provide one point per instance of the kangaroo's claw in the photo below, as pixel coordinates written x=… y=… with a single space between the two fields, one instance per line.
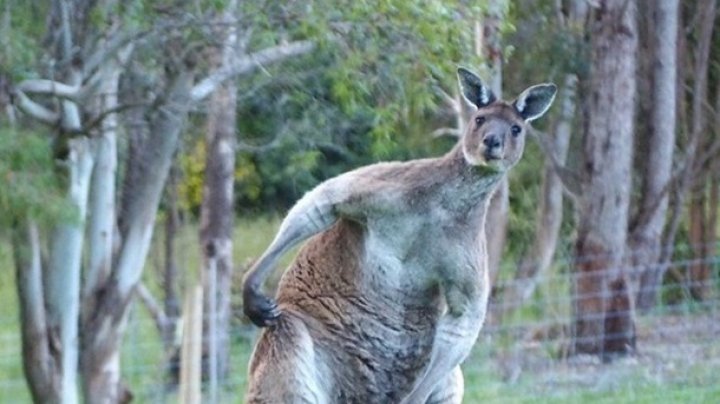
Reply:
x=260 y=309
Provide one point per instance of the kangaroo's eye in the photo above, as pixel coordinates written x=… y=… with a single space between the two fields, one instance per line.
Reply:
x=479 y=120
x=516 y=130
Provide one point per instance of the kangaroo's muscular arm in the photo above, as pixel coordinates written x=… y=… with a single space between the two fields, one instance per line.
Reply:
x=317 y=211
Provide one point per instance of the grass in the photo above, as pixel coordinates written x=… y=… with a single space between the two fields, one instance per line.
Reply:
x=12 y=382
x=492 y=373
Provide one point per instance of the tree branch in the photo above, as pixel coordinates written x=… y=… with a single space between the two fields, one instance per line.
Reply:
x=450 y=101
x=440 y=132
x=98 y=119
x=152 y=306
x=111 y=47
x=66 y=31
x=35 y=110
x=49 y=87
x=569 y=179
x=248 y=63
x=121 y=38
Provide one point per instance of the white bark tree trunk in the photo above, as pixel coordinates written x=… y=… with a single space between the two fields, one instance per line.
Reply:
x=63 y=275
x=107 y=311
x=51 y=297
x=39 y=347
x=217 y=212
x=102 y=213
x=101 y=230
x=105 y=323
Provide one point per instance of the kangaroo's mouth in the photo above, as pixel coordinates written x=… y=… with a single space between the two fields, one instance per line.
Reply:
x=492 y=153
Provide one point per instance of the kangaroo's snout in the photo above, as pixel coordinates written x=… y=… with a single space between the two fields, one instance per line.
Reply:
x=492 y=141
x=493 y=146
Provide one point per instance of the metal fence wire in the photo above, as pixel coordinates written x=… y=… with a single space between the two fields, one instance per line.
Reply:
x=525 y=357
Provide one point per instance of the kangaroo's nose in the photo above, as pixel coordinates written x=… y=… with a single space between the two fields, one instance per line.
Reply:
x=492 y=141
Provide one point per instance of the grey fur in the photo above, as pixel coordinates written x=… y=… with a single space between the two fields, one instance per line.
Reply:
x=387 y=298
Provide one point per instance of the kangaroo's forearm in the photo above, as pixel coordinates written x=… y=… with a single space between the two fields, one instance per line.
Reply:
x=310 y=216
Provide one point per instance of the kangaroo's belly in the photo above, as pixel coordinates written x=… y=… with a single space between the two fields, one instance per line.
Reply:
x=374 y=325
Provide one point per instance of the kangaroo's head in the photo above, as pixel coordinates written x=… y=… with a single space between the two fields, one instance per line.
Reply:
x=495 y=135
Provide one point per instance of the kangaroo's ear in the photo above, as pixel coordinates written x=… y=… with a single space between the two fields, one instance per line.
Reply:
x=532 y=103
x=473 y=89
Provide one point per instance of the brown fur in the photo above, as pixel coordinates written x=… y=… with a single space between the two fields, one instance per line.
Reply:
x=386 y=299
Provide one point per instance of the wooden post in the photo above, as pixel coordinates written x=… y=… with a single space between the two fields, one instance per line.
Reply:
x=190 y=374
x=212 y=333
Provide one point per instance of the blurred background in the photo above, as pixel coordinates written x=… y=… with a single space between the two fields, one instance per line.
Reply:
x=149 y=149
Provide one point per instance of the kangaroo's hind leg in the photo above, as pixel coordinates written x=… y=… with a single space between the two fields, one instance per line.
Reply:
x=285 y=367
x=450 y=390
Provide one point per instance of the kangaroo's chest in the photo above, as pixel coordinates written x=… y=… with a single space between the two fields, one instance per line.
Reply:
x=424 y=247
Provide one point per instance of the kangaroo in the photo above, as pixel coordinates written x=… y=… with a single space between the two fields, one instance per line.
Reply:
x=387 y=298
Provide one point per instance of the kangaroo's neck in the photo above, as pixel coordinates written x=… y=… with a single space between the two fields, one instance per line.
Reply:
x=471 y=187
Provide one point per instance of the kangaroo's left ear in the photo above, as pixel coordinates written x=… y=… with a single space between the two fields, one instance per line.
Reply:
x=473 y=88
x=532 y=103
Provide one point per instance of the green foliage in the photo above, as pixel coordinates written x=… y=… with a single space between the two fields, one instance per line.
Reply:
x=192 y=164
x=545 y=48
x=368 y=93
x=391 y=58
x=248 y=180
x=29 y=183
x=293 y=135
x=19 y=37
x=525 y=183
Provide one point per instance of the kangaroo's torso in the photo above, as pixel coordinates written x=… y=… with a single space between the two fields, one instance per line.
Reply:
x=375 y=289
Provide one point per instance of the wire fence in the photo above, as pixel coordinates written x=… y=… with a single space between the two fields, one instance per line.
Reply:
x=526 y=356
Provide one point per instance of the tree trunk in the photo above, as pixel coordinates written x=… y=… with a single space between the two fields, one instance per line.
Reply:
x=550 y=211
x=217 y=213
x=703 y=190
x=170 y=276
x=137 y=130
x=698 y=276
x=102 y=213
x=101 y=237
x=171 y=282
x=88 y=66
x=645 y=239
x=108 y=308
x=711 y=245
x=603 y=310
x=706 y=10
x=488 y=46
x=63 y=275
x=50 y=297
x=39 y=344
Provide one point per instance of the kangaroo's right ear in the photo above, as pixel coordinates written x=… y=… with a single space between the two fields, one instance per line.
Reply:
x=473 y=88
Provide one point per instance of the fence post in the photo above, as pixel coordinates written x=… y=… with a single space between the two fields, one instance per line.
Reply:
x=191 y=356
x=212 y=330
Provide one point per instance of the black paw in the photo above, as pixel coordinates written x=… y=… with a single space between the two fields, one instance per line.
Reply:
x=260 y=309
